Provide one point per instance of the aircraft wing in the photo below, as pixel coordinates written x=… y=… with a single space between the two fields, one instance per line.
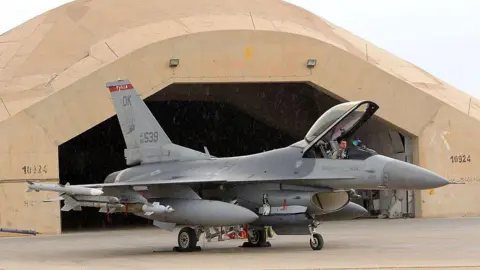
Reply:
x=189 y=180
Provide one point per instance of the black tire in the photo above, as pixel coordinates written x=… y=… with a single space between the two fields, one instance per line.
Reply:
x=317 y=243
x=259 y=237
x=187 y=239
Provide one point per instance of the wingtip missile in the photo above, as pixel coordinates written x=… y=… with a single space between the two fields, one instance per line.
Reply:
x=67 y=189
x=30 y=183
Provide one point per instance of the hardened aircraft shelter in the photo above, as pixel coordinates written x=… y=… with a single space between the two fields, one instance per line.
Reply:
x=238 y=77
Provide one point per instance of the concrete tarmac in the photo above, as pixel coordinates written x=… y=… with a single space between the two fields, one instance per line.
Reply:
x=374 y=244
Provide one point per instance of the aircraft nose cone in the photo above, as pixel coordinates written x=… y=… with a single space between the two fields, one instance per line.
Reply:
x=403 y=175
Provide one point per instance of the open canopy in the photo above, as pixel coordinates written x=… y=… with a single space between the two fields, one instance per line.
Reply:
x=340 y=121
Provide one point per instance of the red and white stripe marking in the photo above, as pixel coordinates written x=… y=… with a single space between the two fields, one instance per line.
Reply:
x=120 y=87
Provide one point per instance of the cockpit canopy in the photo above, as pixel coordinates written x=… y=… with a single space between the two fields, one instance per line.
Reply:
x=340 y=121
x=327 y=119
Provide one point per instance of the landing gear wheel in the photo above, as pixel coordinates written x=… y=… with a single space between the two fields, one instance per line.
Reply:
x=316 y=241
x=187 y=240
x=258 y=238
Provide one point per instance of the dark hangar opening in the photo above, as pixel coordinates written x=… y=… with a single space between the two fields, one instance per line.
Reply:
x=229 y=119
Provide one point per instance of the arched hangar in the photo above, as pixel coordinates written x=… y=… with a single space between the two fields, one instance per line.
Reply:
x=236 y=76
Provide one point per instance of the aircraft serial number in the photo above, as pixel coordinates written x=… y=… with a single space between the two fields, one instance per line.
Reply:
x=460 y=159
x=34 y=169
x=148 y=137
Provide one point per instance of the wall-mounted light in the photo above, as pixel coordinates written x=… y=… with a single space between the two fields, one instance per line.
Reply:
x=311 y=63
x=174 y=62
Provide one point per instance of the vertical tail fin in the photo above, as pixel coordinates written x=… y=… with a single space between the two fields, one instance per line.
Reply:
x=139 y=127
x=144 y=137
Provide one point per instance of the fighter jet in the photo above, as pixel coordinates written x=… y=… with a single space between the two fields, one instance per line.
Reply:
x=290 y=189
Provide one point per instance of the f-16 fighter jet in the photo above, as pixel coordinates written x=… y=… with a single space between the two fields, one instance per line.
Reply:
x=290 y=189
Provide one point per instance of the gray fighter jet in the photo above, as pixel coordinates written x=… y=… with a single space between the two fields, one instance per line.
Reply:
x=290 y=189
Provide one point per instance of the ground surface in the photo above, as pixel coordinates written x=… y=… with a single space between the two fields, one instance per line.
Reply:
x=354 y=244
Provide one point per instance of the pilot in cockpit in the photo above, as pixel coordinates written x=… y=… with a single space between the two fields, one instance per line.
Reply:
x=340 y=153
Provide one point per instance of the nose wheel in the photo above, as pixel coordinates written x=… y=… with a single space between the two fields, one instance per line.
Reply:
x=316 y=239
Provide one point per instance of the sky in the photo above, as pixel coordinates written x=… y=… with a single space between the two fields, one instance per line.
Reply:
x=440 y=36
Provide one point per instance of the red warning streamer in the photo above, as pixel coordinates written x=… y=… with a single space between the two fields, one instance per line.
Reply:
x=108 y=215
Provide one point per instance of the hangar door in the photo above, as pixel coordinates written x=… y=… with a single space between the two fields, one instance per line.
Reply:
x=394 y=144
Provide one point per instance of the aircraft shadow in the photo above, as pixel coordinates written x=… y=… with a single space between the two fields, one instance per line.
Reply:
x=126 y=252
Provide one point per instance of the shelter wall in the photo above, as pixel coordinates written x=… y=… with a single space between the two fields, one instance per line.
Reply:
x=27 y=152
x=448 y=146
x=26 y=211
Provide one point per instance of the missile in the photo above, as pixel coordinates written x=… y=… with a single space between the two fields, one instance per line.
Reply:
x=109 y=199
x=19 y=231
x=157 y=208
x=100 y=205
x=73 y=204
x=72 y=190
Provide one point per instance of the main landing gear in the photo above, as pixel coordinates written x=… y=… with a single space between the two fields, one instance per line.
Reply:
x=316 y=239
x=257 y=238
x=187 y=240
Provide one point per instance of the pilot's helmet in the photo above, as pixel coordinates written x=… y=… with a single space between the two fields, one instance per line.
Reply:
x=358 y=143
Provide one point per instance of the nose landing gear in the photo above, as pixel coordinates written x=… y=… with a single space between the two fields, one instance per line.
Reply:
x=316 y=239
